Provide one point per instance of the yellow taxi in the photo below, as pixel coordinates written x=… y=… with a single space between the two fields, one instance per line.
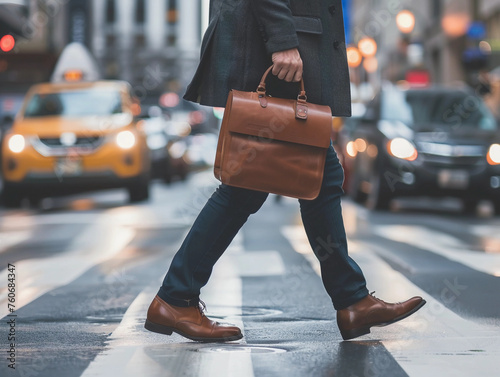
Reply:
x=74 y=136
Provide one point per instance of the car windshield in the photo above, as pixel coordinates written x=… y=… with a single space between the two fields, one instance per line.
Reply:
x=418 y=109
x=75 y=103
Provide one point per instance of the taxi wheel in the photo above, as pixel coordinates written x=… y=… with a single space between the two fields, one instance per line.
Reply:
x=35 y=201
x=139 y=191
x=11 y=197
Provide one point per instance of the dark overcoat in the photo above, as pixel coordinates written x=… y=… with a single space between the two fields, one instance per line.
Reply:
x=243 y=34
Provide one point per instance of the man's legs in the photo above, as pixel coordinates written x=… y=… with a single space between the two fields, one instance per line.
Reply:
x=322 y=218
x=212 y=232
x=357 y=311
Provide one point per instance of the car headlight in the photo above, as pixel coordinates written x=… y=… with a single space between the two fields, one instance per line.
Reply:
x=403 y=149
x=125 y=139
x=350 y=149
x=494 y=154
x=17 y=143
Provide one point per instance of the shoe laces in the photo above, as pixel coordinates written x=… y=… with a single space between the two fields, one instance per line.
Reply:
x=382 y=301
x=202 y=307
x=375 y=297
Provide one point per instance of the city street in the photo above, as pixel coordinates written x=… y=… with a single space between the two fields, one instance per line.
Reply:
x=86 y=268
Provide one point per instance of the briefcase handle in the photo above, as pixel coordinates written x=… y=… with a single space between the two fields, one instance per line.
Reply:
x=261 y=89
x=301 y=108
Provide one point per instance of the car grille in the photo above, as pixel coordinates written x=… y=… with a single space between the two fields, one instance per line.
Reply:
x=80 y=141
x=456 y=162
x=54 y=147
x=456 y=156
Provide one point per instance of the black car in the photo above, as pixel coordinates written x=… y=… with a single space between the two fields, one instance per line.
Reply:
x=425 y=142
x=167 y=144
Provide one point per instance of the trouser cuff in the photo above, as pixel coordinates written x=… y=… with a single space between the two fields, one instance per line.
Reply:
x=342 y=304
x=183 y=303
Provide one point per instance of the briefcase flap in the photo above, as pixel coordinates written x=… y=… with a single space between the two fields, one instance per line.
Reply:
x=277 y=120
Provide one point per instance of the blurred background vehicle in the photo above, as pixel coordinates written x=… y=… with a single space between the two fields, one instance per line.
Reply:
x=75 y=134
x=423 y=142
x=179 y=112
x=201 y=150
x=198 y=148
x=167 y=144
x=342 y=138
x=10 y=103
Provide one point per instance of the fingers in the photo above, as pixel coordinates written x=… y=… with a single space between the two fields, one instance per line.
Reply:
x=288 y=71
x=288 y=65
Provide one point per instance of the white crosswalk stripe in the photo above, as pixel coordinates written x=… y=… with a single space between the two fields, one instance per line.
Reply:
x=439 y=337
x=105 y=235
x=12 y=238
x=442 y=244
x=99 y=242
x=134 y=350
x=435 y=342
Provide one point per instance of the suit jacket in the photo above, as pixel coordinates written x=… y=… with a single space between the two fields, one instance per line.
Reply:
x=243 y=34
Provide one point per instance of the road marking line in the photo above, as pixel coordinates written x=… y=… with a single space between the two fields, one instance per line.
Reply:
x=98 y=243
x=134 y=350
x=431 y=342
x=442 y=244
x=12 y=238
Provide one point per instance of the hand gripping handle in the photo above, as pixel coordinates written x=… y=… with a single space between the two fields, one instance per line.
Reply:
x=301 y=108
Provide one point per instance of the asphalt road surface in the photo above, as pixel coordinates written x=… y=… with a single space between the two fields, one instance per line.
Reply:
x=85 y=269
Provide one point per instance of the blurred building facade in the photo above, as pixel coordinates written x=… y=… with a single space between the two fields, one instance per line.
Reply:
x=452 y=39
x=153 y=44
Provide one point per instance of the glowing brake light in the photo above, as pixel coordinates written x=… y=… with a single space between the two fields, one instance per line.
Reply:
x=73 y=75
x=7 y=43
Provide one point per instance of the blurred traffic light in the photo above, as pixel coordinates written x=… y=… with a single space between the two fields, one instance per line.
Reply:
x=7 y=43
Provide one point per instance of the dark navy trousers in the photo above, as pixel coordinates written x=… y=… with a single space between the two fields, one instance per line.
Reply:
x=226 y=212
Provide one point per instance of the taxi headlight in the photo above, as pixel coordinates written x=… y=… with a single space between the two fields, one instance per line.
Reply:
x=403 y=149
x=125 y=139
x=494 y=154
x=17 y=143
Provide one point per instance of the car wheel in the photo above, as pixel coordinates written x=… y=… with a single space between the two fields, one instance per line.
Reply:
x=11 y=197
x=35 y=201
x=183 y=173
x=496 y=206
x=469 y=206
x=167 y=173
x=139 y=191
x=379 y=197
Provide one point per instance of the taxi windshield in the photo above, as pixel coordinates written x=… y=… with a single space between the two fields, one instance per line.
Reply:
x=75 y=103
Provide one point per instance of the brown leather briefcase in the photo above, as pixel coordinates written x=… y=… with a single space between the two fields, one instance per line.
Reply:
x=272 y=144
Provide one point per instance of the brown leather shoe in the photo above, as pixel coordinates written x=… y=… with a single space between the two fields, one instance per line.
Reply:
x=189 y=322
x=356 y=320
